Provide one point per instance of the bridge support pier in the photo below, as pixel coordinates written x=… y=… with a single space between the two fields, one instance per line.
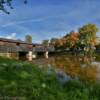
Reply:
x=46 y=55
x=34 y=55
x=30 y=56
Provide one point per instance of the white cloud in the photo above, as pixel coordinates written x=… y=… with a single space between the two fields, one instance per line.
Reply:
x=11 y=36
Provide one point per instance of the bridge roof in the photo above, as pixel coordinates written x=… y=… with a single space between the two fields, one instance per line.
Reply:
x=15 y=41
x=23 y=47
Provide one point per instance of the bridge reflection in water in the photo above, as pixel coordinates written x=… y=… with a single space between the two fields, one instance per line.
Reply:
x=75 y=67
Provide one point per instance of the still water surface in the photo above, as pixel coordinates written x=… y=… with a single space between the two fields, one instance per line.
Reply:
x=77 y=68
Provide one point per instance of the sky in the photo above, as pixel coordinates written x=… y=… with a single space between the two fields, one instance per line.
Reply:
x=46 y=19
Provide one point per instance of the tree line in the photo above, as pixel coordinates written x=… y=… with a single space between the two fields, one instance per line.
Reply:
x=85 y=40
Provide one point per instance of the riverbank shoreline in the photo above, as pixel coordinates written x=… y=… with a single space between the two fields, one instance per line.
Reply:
x=29 y=82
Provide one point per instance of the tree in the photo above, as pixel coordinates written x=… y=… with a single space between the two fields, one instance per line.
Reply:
x=53 y=41
x=73 y=38
x=45 y=42
x=87 y=37
x=70 y=40
x=28 y=38
x=4 y=3
x=66 y=42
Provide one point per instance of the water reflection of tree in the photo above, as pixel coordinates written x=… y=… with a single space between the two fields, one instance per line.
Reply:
x=89 y=73
x=76 y=69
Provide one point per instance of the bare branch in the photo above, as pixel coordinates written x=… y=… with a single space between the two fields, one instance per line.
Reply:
x=8 y=3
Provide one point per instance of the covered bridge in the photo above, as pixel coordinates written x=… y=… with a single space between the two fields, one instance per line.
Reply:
x=19 y=49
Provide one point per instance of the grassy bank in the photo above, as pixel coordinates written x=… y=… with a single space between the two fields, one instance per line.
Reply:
x=24 y=81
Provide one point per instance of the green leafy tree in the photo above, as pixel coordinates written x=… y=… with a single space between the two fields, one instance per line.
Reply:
x=28 y=38
x=53 y=41
x=87 y=37
x=45 y=42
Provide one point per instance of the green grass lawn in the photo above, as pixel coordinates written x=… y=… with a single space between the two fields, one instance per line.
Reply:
x=20 y=80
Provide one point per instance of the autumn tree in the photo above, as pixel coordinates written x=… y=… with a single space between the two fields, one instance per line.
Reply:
x=73 y=38
x=87 y=37
x=70 y=40
x=66 y=42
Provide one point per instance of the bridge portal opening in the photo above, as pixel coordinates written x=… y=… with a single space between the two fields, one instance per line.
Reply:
x=23 y=55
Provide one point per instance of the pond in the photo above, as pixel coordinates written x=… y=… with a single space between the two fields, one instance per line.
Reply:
x=84 y=69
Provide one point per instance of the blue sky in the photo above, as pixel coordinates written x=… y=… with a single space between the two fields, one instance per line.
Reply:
x=44 y=19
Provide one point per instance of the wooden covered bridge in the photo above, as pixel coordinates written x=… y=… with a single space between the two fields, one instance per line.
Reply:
x=20 y=49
